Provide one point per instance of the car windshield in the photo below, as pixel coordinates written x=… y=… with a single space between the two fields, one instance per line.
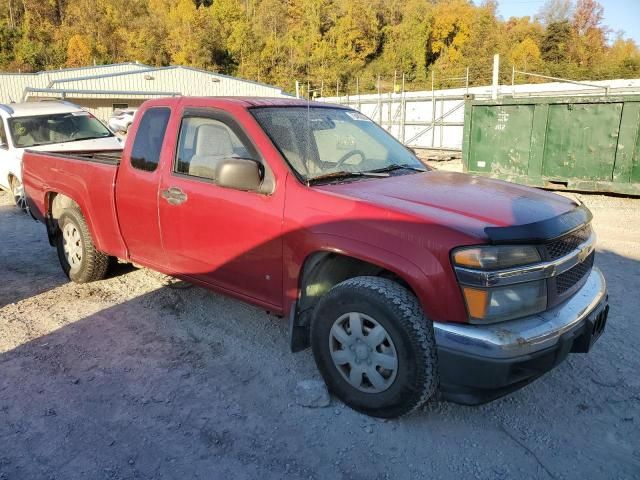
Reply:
x=330 y=142
x=55 y=128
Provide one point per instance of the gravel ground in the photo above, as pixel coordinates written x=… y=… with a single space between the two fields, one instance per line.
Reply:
x=139 y=377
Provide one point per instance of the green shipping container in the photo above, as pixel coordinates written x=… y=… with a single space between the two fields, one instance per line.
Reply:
x=574 y=143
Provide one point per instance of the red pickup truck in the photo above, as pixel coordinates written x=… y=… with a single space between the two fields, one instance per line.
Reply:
x=406 y=282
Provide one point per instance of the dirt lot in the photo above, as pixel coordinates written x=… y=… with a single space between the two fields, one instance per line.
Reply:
x=135 y=377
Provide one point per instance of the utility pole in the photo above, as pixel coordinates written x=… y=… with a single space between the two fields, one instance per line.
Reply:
x=379 y=103
x=433 y=109
x=403 y=112
x=467 y=82
x=496 y=78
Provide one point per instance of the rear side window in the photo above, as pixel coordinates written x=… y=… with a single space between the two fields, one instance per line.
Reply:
x=3 y=136
x=145 y=154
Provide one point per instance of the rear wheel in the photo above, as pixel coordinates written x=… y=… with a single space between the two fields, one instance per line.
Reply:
x=17 y=192
x=374 y=347
x=79 y=259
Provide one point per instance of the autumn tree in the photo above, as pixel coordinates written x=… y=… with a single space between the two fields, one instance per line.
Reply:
x=78 y=51
x=317 y=41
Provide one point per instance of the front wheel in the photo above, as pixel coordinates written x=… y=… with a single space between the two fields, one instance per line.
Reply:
x=78 y=256
x=17 y=192
x=374 y=347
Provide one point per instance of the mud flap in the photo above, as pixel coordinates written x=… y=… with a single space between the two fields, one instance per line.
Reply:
x=298 y=331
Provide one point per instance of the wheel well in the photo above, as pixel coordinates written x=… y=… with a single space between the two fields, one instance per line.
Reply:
x=323 y=270
x=56 y=204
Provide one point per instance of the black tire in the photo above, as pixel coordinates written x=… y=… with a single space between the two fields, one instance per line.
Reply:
x=92 y=264
x=398 y=311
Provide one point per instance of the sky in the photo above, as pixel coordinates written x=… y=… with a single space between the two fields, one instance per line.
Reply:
x=618 y=14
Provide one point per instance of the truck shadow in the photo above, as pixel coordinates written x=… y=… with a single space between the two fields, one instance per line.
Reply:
x=28 y=265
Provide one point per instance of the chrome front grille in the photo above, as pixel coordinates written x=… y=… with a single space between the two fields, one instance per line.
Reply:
x=565 y=245
x=566 y=283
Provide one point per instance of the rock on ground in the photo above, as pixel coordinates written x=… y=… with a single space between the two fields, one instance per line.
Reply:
x=312 y=393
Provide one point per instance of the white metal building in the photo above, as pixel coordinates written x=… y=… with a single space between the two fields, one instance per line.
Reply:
x=103 y=88
x=435 y=119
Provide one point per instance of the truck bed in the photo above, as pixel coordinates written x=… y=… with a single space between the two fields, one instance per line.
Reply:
x=87 y=178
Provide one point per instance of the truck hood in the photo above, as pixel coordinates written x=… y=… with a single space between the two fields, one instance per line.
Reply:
x=467 y=203
x=93 y=144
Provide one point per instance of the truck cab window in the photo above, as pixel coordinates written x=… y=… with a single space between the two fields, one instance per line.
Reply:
x=203 y=143
x=145 y=154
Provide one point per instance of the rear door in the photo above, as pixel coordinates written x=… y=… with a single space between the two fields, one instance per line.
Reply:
x=137 y=188
x=224 y=237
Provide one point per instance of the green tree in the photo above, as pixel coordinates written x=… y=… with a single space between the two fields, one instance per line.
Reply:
x=555 y=43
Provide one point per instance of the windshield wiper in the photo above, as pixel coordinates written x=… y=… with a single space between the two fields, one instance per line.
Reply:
x=344 y=174
x=398 y=166
x=81 y=139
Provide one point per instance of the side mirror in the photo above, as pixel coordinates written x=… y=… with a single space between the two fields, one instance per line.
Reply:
x=239 y=174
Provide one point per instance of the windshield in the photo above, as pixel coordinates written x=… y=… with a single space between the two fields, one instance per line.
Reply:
x=319 y=141
x=55 y=128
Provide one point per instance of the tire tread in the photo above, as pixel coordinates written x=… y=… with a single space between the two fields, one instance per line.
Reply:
x=97 y=263
x=412 y=319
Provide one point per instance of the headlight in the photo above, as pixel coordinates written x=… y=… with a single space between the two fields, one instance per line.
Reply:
x=485 y=303
x=505 y=303
x=496 y=257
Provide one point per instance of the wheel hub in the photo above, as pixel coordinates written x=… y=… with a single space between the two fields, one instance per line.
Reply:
x=363 y=352
x=72 y=244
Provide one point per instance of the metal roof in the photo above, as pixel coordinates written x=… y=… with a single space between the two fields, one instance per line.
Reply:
x=129 y=80
x=158 y=69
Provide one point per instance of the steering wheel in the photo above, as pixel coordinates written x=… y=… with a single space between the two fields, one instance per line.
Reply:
x=350 y=154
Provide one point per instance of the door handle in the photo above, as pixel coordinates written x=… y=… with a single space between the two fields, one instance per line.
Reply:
x=174 y=196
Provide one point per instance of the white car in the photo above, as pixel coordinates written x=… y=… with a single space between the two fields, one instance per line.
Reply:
x=121 y=120
x=52 y=126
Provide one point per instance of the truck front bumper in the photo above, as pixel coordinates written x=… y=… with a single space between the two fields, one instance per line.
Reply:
x=478 y=363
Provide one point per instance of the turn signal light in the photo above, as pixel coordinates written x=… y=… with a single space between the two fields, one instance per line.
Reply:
x=476 y=302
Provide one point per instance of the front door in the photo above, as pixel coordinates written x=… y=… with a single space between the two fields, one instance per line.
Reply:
x=225 y=237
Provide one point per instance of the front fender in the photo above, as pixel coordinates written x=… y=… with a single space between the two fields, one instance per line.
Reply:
x=439 y=297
